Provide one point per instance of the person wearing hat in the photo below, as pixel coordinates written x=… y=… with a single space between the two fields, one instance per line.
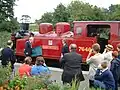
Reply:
x=108 y=53
x=7 y=55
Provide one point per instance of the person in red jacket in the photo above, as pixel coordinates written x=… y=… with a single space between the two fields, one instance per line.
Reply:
x=25 y=68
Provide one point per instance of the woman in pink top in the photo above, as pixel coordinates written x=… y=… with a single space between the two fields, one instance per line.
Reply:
x=25 y=68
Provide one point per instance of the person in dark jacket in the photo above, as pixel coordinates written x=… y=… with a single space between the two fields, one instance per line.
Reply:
x=65 y=48
x=72 y=66
x=7 y=55
x=115 y=68
x=118 y=49
x=28 y=45
x=104 y=78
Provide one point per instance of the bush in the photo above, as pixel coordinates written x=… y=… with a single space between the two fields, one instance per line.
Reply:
x=4 y=37
x=9 y=26
x=5 y=73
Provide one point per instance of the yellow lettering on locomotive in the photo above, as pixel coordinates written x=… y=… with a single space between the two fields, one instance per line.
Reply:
x=84 y=49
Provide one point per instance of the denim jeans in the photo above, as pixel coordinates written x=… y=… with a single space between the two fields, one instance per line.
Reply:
x=98 y=84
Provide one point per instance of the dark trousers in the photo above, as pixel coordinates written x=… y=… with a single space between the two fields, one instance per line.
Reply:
x=116 y=84
x=91 y=83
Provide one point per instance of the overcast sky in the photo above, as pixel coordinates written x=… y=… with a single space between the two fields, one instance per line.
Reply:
x=35 y=8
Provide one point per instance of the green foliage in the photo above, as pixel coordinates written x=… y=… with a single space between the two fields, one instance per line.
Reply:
x=9 y=26
x=80 y=11
x=46 y=18
x=5 y=73
x=53 y=86
x=19 y=82
x=7 y=20
x=61 y=14
x=37 y=83
x=34 y=27
x=6 y=9
x=114 y=12
x=4 y=37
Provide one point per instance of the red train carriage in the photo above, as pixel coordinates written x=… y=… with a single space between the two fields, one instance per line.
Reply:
x=84 y=34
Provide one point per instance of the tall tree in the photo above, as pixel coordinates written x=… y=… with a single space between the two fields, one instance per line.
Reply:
x=114 y=12
x=25 y=18
x=80 y=11
x=47 y=17
x=61 y=13
x=7 y=15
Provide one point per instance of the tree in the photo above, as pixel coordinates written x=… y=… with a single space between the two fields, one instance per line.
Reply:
x=61 y=14
x=80 y=11
x=99 y=14
x=25 y=18
x=7 y=15
x=46 y=17
x=114 y=12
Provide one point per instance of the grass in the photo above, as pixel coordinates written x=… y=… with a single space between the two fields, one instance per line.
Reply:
x=34 y=27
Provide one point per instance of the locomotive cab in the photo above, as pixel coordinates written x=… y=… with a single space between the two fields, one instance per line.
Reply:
x=101 y=33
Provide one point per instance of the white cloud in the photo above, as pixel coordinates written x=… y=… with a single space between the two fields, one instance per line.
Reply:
x=35 y=8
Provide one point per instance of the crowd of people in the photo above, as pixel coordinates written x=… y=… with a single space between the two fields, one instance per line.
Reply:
x=26 y=69
x=104 y=68
x=39 y=69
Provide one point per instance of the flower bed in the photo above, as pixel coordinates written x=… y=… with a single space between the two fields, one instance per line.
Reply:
x=31 y=83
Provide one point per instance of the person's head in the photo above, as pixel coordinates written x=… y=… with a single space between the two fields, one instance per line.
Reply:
x=40 y=61
x=31 y=34
x=118 y=47
x=64 y=41
x=104 y=64
x=96 y=48
x=31 y=39
x=9 y=43
x=109 y=47
x=73 y=47
x=28 y=60
x=114 y=54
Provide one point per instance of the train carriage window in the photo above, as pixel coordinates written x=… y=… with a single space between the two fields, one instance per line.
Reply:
x=103 y=31
x=79 y=30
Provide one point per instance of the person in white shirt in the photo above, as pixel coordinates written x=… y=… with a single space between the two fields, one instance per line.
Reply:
x=94 y=61
x=108 y=54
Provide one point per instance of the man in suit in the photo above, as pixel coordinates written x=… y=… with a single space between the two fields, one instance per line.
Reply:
x=72 y=66
x=104 y=78
x=7 y=55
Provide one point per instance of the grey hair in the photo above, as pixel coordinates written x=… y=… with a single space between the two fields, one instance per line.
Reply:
x=73 y=47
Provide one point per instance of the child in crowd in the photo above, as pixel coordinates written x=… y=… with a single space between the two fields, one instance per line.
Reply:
x=25 y=68
x=104 y=78
x=40 y=68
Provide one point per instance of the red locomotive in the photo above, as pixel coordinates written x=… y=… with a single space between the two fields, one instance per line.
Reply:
x=84 y=34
